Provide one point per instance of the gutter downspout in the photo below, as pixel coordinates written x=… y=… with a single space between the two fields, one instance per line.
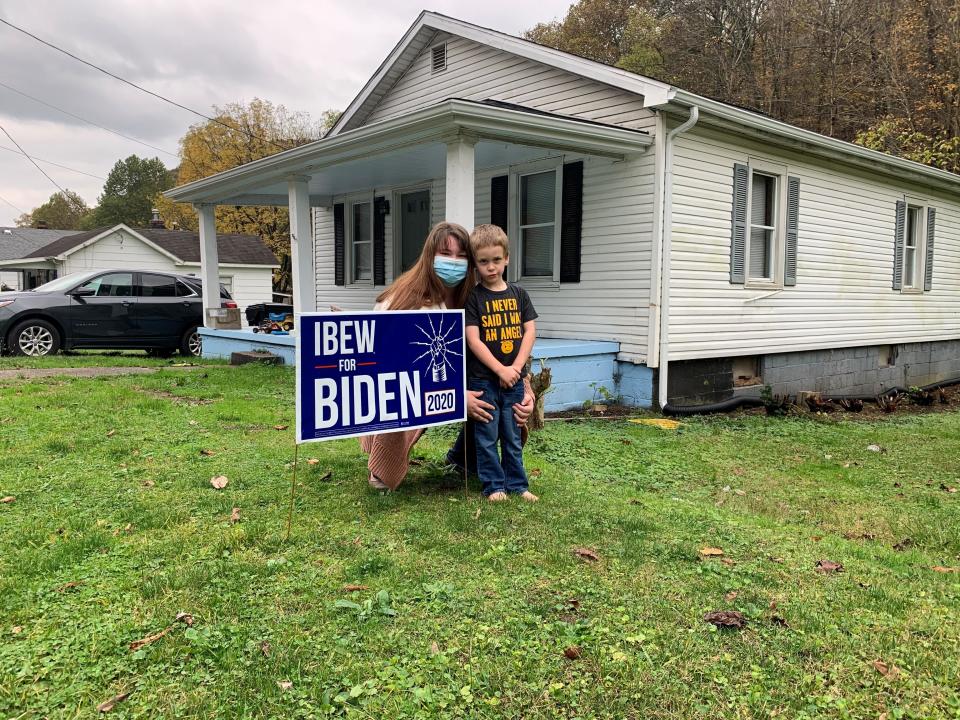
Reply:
x=665 y=243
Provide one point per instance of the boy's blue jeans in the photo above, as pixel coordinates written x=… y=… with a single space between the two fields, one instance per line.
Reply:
x=503 y=473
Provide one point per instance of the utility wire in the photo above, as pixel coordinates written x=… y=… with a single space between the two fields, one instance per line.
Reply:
x=50 y=162
x=24 y=152
x=19 y=210
x=83 y=119
x=139 y=87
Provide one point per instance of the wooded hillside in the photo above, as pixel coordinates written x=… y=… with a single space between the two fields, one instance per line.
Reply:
x=883 y=73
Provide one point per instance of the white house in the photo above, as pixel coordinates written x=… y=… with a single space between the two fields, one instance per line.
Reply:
x=246 y=267
x=672 y=244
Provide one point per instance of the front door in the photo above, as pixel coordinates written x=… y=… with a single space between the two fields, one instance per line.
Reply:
x=414 y=225
x=107 y=316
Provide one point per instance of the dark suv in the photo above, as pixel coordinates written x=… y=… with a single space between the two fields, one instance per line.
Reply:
x=116 y=309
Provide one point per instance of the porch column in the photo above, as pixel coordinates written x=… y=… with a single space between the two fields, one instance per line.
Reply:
x=460 y=180
x=302 y=270
x=209 y=262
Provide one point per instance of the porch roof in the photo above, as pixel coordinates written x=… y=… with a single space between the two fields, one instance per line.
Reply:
x=409 y=149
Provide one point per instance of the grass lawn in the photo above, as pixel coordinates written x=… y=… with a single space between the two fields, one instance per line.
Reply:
x=464 y=609
x=97 y=358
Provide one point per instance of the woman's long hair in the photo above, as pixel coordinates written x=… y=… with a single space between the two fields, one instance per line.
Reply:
x=419 y=286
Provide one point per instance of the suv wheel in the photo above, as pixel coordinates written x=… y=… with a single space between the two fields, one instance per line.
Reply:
x=191 y=343
x=34 y=338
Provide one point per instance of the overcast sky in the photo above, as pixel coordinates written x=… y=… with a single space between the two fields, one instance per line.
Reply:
x=309 y=56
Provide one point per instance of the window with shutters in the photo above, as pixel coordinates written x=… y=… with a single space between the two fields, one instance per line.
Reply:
x=767 y=259
x=360 y=242
x=535 y=236
x=914 y=245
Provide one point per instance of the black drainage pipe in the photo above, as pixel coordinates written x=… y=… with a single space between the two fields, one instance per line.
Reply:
x=734 y=403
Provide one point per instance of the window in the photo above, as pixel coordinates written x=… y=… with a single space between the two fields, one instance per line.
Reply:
x=112 y=285
x=157 y=285
x=537 y=221
x=912 y=239
x=763 y=227
x=361 y=242
x=184 y=290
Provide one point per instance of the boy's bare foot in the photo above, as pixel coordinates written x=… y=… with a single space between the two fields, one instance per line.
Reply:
x=498 y=496
x=529 y=496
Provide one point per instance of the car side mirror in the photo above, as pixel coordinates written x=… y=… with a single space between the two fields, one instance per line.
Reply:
x=83 y=292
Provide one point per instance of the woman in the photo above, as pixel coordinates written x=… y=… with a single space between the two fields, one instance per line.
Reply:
x=441 y=279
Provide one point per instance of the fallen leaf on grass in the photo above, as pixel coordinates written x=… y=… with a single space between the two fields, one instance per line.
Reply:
x=219 y=482
x=16 y=629
x=572 y=652
x=326 y=476
x=70 y=585
x=586 y=554
x=536 y=472
x=284 y=684
x=107 y=706
x=876 y=448
x=942 y=569
x=434 y=648
x=185 y=618
x=111 y=433
x=710 y=552
x=265 y=648
x=731 y=596
x=280 y=427
x=828 y=566
x=313 y=461
x=355 y=588
x=476 y=515
x=8 y=499
x=235 y=515
x=729 y=562
x=207 y=453
x=947 y=488
x=726 y=618
x=888 y=671
x=148 y=483
x=127 y=529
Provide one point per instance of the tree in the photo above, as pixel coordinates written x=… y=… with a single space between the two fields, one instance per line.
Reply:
x=63 y=211
x=242 y=134
x=129 y=192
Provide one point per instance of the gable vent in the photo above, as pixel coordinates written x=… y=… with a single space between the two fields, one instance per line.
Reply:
x=438 y=58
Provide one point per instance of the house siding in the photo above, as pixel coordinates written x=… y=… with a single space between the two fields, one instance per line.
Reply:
x=611 y=300
x=479 y=72
x=843 y=295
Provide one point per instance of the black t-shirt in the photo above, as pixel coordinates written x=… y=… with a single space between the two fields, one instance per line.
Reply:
x=500 y=315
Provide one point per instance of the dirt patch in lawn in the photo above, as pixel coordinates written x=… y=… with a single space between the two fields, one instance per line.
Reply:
x=83 y=372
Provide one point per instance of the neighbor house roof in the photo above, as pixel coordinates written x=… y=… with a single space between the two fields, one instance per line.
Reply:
x=656 y=94
x=181 y=244
x=17 y=242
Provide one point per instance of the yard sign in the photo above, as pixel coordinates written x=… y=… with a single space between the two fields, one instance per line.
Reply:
x=361 y=373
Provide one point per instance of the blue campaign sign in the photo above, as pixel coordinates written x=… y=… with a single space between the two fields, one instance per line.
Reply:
x=360 y=373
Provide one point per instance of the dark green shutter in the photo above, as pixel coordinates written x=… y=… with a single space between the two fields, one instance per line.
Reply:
x=928 y=267
x=380 y=210
x=738 y=232
x=500 y=201
x=793 y=218
x=338 y=243
x=898 y=234
x=571 y=221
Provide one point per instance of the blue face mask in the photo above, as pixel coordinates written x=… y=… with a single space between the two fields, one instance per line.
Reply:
x=451 y=271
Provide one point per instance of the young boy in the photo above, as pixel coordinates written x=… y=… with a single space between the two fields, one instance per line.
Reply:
x=500 y=333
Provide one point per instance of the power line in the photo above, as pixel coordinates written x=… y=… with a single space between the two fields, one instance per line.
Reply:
x=24 y=152
x=139 y=87
x=19 y=210
x=51 y=162
x=83 y=119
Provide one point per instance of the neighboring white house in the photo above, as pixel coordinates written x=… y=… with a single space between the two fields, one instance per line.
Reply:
x=246 y=267
x=711 y=244
x=18 y=242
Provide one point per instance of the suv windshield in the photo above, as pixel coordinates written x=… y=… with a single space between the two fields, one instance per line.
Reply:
x=63 y=283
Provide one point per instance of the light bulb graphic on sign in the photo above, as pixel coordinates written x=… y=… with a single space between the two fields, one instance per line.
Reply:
x=438 y=347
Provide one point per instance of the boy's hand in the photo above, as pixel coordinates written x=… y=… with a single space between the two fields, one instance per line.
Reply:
x=508 y=376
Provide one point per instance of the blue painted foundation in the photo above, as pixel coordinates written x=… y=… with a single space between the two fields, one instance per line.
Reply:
x=582 y=370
